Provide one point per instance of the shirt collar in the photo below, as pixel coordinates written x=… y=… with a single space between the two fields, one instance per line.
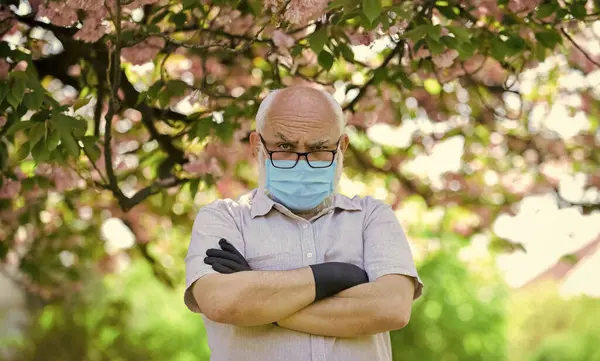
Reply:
x=262 y=203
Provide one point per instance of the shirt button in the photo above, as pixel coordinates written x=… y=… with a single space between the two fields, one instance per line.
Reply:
x=305 y=226
x=309 y=255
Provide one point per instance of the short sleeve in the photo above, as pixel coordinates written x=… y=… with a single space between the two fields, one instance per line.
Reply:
x=386 y=248
x=213 y=222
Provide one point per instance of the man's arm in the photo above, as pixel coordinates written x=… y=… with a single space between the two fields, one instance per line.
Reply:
x=367 y=309
x=254 y=298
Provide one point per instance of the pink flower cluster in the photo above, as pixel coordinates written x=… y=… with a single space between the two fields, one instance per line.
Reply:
x=232 y=21
x=10 y=188
x=523 y=6
x=144 y=51
x=299 y=12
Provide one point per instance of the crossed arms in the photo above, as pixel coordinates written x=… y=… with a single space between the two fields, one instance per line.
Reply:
x=253 y=298
x=257 y=298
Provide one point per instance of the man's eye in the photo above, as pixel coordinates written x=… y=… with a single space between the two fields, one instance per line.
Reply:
x=284 y=146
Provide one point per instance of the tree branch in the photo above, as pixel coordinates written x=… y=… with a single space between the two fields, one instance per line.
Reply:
x=579 y=47
x=397 y=50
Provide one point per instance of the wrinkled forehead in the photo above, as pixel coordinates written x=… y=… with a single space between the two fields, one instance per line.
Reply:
x=302 y=110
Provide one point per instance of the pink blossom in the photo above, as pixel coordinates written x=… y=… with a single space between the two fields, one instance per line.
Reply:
x=214 y=67
x=2 y=120
x=445 y=59
x=4 y=68
x=35 y=4
x=58 y=13
x=523 y=6
x=301 y=12
x=143 y=52
x=10 y=188
x=282 y=39
x=92 y=29
x=486 y=8
x=364 y=38
x=86 y=5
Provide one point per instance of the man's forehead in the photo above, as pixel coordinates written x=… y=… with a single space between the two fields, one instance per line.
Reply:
x=296 y=139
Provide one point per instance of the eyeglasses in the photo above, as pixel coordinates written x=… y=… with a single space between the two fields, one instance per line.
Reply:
x=287 y=160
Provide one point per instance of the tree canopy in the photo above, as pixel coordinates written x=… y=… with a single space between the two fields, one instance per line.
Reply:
x=141 y=110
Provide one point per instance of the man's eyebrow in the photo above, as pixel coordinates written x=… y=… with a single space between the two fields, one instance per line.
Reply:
x=319 y=143
x=285 y=139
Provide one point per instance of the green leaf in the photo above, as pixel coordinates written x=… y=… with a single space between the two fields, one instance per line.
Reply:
x=434 y=46
x=81 y=103
x=18 y=88
x=40 y=153
x=177 y=88
x=4 y=89
x=154 y=90
x=515 y=45
x=53 y=140
x=499 y=49
x=416 y=34
x=371 y=9
x=434 y=32
x=379 y=75
x=406 y=82
x=450 y=42
x=164 y=98
x=325 y=60
x=37 y=98
x=36 y=133
x=19 y=126
x=461 y=34
x=194 y=187
x=466 y=50
x=545 y=10
x=66 y=126
x=549 y=38
x=296 y=50
x=179 y=19
x=578 y=10
x=70 y=143
x=23 y=152
x=347 y=52
x=64 y=123
x=450 y=12
x=202 y=128
x=318 y=39
x=90 y=147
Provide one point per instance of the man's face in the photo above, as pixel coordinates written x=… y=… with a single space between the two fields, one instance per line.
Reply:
x=301 y=119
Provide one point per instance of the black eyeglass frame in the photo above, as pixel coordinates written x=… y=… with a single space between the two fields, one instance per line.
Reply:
x=300 y=154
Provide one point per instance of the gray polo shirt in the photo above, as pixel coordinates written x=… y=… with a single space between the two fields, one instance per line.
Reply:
x=361 y=231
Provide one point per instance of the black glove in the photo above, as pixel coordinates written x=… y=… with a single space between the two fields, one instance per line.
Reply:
x=227 y=259
x=334 y=277
x=330 y=277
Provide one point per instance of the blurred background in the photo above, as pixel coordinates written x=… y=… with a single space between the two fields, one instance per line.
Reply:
x=477 y=120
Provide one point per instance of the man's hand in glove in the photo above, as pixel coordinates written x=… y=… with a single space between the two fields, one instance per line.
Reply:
x=227 y=259
x=330 y=277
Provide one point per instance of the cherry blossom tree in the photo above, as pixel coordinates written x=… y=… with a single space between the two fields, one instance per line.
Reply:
x=141 y=110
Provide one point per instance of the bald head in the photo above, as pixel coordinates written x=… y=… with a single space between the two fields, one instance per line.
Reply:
x=298 y=103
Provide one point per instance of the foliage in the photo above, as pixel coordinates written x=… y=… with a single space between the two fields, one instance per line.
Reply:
x=141 y=110
x=460 y=319
x=114 y=323
x=544 y=326
x=461 y=316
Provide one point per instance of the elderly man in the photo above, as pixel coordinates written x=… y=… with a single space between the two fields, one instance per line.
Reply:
x=293 y=270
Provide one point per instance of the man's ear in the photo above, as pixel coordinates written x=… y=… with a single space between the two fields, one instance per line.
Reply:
x=255 y=142
x=344 y=142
